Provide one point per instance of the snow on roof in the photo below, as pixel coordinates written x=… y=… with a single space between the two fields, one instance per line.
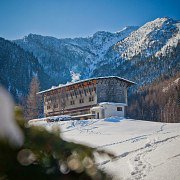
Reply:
x=97 y=108
x=112 y=103
x=97 y=78
x=100 y=105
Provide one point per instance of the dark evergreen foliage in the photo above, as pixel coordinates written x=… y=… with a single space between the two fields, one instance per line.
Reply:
x=159 y=101
x=17 y=68
x=45 y=155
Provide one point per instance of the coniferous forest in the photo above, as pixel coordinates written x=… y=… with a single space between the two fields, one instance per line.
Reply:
x=159 y=101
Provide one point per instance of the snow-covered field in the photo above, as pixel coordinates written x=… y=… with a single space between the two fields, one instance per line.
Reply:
x=143 y=150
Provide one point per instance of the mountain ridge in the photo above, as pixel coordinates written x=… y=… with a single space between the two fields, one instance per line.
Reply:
x=118 y=52
x=141 y=54
x=86 y=51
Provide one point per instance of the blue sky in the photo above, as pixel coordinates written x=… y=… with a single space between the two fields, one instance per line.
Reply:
x=79 y=18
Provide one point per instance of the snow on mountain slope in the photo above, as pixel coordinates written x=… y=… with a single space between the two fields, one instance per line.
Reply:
x=169 y=86
x=141 y=54
x=102 y=41
x=148 y=53
x=172 y=42
x=80 y=55
x=150 y=38
x=143 y=150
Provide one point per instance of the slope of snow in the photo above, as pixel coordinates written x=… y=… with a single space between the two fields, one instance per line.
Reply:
x=152 y=38
x=143 y=150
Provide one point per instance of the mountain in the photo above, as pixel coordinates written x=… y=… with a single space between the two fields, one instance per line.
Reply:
x=150 y=39
x=141 y=54
x=146 y=54
x=17 y=67
x=61 y=57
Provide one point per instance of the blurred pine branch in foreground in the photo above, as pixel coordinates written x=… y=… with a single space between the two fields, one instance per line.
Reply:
x=45 y=155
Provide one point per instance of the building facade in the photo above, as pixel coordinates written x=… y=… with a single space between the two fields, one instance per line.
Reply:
x=79 y=98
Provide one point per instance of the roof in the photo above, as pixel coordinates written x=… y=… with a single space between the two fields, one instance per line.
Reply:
x=81 y=81
x=112 y=103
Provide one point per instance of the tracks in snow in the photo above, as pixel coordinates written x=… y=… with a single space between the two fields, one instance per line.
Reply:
x=138 y=164
x=134 y=139
x=82 y=126
x=143 y=144
x=148 y=147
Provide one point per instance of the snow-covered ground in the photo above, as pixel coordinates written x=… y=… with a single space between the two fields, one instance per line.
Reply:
x=143 y=150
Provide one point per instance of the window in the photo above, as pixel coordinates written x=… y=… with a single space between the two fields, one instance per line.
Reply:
x=67 y=96
x=119 y=108
x=77 y=92
x=91 y=99
x=90 y=90
x=55 y=105
x=84 y=91
x=72 y=102
x=81 y=101
x=48 y=107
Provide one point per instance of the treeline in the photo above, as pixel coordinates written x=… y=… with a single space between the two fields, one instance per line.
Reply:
x=159 y=101
x=17 y=68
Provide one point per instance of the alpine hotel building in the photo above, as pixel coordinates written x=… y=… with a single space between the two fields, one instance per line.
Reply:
x=91 y=98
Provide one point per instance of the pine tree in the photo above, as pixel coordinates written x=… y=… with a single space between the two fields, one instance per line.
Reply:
x=33 y=100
